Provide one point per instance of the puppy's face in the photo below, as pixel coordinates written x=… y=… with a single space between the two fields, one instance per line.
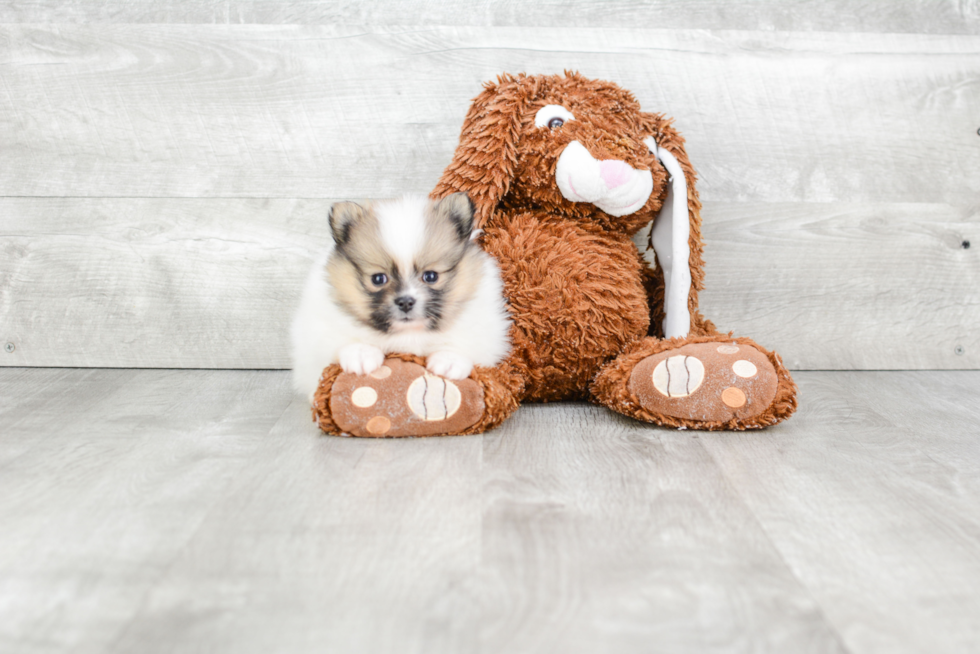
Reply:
x=406 y=264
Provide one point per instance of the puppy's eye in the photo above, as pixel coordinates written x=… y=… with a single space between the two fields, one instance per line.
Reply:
x=430 y=277
x=379 y=279
x=552 y=116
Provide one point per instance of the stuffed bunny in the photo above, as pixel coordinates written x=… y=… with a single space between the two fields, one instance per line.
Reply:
x=588 y=205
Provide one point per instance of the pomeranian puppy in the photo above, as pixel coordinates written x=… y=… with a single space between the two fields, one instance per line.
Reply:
x=402 y=275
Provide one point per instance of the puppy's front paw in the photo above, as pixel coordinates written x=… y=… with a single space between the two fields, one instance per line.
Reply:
x=360 y=359
x=449 y=365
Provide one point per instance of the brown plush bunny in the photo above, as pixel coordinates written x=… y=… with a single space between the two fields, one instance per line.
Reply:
x=581 y=199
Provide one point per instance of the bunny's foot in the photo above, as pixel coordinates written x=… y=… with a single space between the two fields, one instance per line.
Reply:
x=698 y=382
x=401 y=398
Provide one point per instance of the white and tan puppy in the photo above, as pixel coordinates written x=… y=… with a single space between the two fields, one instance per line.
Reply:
x=406 y=276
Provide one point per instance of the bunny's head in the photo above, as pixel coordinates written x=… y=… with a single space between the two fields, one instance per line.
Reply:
x=579 y=149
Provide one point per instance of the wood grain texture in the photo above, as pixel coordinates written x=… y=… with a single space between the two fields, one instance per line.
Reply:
x=871 y=494
x=328 y=544
x=213 y=283
x=103 y=482
x=27 y=397
x=327 y=111
x=847 y=286
x=569 y=530
x=201 y=511
x=914 y=16
x=153 y=282
x=602 y=534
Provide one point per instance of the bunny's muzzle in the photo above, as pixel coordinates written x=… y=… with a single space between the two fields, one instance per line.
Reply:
x=612 y=185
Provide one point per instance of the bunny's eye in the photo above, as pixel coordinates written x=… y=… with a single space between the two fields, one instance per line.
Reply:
x=552 y=116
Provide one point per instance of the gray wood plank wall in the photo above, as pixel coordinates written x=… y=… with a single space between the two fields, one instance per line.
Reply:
x=167 y=169
x=913 y=16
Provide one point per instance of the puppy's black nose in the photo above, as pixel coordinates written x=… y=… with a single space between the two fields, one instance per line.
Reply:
x=405 y=303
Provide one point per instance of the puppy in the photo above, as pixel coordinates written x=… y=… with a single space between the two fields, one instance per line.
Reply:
x=402 y=275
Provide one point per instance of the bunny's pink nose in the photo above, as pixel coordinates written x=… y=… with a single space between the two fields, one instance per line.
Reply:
x=614 y=172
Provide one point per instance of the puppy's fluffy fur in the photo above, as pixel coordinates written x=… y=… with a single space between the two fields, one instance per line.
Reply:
x=405 y=276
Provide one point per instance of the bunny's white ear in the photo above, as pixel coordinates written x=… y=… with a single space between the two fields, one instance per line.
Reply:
x=671 y=231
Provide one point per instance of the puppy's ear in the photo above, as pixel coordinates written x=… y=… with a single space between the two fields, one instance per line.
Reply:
x=484 y=162
x=343 y=216
x=459 y=210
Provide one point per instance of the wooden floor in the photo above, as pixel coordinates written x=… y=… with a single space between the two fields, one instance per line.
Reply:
x=200 y=511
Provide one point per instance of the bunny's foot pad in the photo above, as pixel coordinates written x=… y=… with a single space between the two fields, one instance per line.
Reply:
x=709 y=382
x=401 y=398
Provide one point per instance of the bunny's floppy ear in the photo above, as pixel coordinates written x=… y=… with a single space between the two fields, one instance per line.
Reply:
x=484 y=162
x=676 y=231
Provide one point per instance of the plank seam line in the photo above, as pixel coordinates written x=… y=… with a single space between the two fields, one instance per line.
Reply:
x=806 y=589
x=165 y=572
